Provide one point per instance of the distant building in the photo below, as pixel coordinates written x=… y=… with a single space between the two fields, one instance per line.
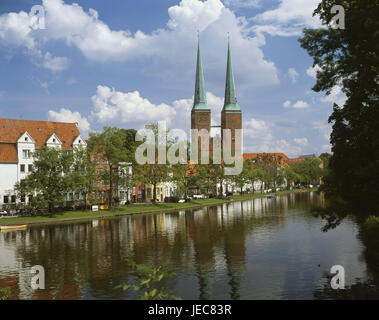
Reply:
x=273 y=158
x=231 y=114
x=18 y=140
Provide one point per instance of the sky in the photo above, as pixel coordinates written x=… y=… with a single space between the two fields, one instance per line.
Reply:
x=129 y=63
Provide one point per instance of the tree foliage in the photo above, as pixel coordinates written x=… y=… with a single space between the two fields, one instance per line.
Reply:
x=47 y=185
x=349 y=58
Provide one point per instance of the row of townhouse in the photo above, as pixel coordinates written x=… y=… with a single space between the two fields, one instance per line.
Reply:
x=20 y=138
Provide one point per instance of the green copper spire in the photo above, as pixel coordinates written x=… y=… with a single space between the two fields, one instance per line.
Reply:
x=230 y=103
x=200 y=99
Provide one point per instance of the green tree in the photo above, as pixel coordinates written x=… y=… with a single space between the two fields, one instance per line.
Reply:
x=308 y=171
x=291 y=176
x=82 y=177
x=349 y=58
x=154 y=173
x=240 y=180
x=110 y=145
x=48 y=183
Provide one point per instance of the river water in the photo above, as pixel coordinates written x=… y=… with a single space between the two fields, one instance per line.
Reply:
x=257 y=249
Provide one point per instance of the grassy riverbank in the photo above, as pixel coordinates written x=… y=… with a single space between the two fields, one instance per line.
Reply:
x=133 y=209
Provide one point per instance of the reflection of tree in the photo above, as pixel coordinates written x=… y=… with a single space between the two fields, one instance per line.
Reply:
x=88 y=261
x=201 y=231
x=333 y=214
x=235 y=253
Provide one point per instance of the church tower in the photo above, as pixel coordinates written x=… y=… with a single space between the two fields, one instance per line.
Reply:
x=201 y=113
x=231 y=114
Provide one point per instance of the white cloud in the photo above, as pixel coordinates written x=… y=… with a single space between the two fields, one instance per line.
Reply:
x=312 y=71
x=288 y=149
x=288 y=19
x=301 y=141
x=300 y=104
x=168 y=56
x=120 y=108
x=55 y=63
x=243 y=3
x=259 y=136
x=336 y=96
x=293 y=74
x=66 y=115
x=324 y=128
x=326 y=148
x=15 y=30
x=71 y=82
x=115 y=106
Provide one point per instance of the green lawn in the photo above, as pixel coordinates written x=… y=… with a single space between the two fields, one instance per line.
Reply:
x=145 y=208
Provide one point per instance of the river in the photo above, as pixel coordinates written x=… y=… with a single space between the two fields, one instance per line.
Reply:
x=256 y=249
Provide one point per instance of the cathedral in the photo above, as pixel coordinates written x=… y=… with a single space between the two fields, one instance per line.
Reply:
x=231 y=114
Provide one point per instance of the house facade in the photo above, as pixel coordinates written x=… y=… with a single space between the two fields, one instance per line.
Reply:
x=18 y=140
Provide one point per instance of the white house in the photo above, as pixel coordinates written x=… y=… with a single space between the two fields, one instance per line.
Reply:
x=19 y=139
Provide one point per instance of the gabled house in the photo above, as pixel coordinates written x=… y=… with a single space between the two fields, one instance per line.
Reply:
x=19 y=139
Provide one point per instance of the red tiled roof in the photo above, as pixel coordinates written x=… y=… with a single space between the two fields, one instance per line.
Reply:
x=8 y=153
x=40 y=131
x=279 y=157
x=264 y=155
x=295 y=160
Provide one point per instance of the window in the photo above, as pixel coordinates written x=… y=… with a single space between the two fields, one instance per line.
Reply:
x=26 y=138
x=26 y=154
x=54 y=140
x=23 y=199
x=30 y=168
x=13 y=199
x=6 y=199
x=22 y=168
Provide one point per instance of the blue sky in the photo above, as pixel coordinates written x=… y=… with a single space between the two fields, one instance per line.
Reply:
x=128 y=63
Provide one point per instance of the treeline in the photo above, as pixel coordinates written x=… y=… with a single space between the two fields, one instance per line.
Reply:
x=108 y=164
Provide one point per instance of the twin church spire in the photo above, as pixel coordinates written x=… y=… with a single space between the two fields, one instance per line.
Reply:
x=200 y=99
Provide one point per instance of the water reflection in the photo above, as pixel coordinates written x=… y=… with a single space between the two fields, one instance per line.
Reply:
x=263 y=248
